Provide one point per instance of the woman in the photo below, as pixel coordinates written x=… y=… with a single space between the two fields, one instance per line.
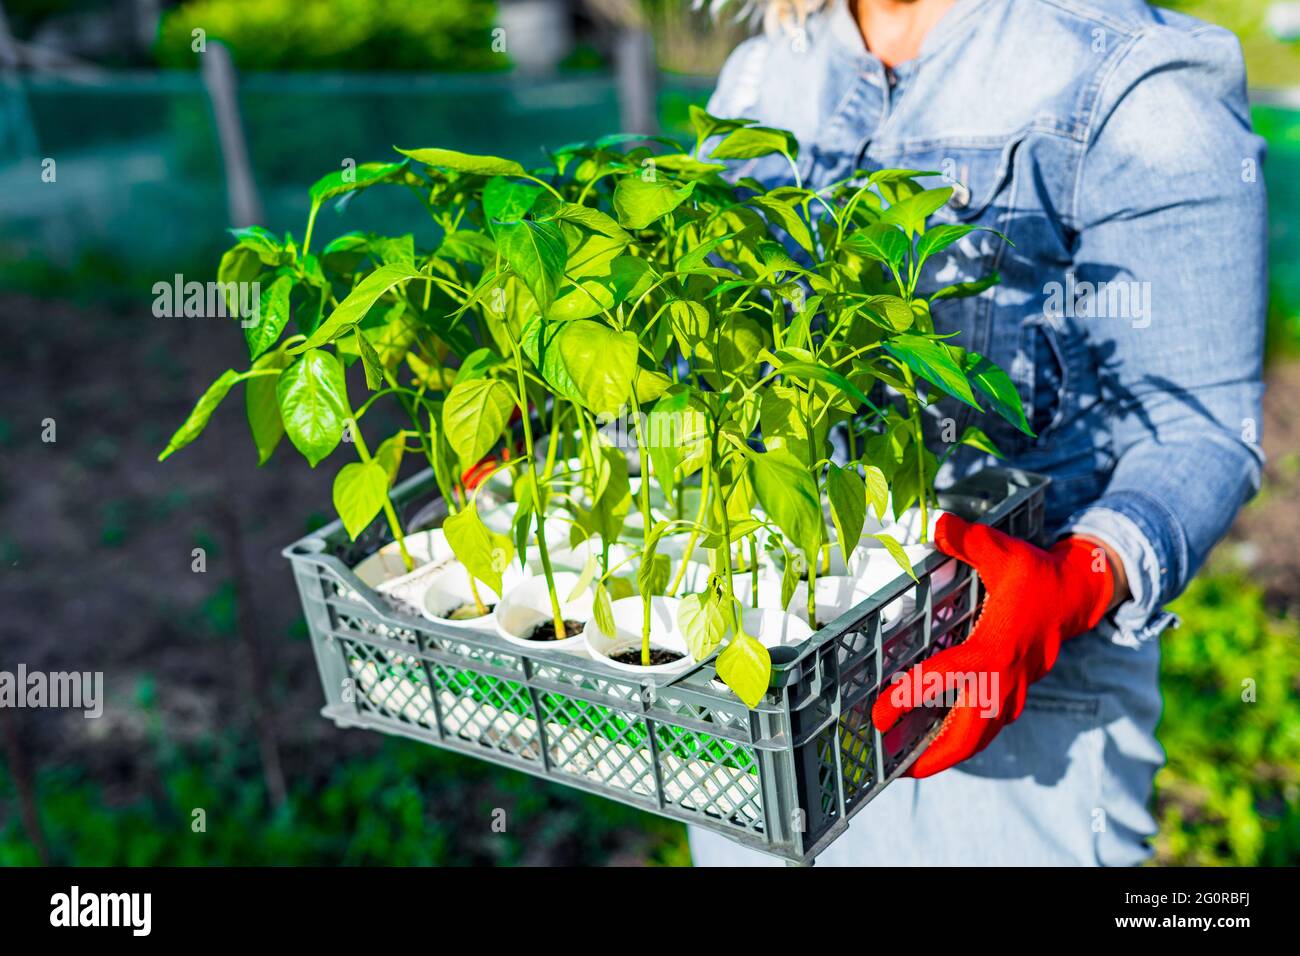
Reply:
x=1110 y=141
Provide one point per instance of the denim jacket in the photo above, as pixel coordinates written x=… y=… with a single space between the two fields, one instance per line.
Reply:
x=1111 y=142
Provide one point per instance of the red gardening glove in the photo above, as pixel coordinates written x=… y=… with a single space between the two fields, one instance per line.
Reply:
x=1036 y=600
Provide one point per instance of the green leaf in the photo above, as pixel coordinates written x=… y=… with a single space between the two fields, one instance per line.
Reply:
x=477 y=364
x=313 y=400
x=882 y=241
x=788 y=494
x=467 y=245
x=1001 y=391
x=896 y=552
x=389 y=454
x=782 y=423
x=370 y=361
x=789 y=582
x=822 y=373
x=908 y=482
x=585 y=216
x=203 y=410
x=509 y=200
x=585 y=577
x=344 y=254
x=615 y=495
x=746 y=667
x=474 y=416
x=272 y=316
x=395 y=251
x=739 y=343
x=962 y=290
x=752 y=142
x=975 y=438
x=934 y=362
x=848 y=496
x=638 y=203
x=598 y=361
x=239 y=264
x=536 y=251
x=941 y=237
x=687 y=166
x=359 y=302
x=690 y=321
x=464 y=162
x=263 y=244
x=263 y=407
x=484 y=553
x=707 y=125
x=787 y=217
x=654 y=574
x=703 y=623
x=608 y=285
x=777 y=259
x=677 y=431
x=877 y=489
x=360 y=489
x=896 y=313
x=912 y=212
x=347 y=180
x=601 y=612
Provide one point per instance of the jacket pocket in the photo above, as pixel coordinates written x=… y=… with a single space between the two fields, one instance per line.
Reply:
x=979 y=170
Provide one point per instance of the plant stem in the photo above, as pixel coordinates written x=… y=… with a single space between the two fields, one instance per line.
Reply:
x=705 y=491
x=644 y=494
x=393 y=524
x=539 y=507
x=813 y=469
x=918 y=436
x=726 y=542
x=311 y=224
x=549 y=468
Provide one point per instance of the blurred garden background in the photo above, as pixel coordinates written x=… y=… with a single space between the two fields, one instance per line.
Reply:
x=212 y=697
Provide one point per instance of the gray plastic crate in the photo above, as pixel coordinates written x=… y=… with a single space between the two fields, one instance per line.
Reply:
x=783 y=778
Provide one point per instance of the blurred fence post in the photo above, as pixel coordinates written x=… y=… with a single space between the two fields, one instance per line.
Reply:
x=636 y=74
x=24 y=788
x=219 y=80
x=634 y=60
x=15 y=119
x=245 y=209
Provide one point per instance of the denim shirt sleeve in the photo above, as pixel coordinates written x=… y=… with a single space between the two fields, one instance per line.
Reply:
x=1170 y=193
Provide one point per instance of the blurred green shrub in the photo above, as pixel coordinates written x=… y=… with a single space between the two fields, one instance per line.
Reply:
x=1230 y=793
x=381 y=35
x=405 y=804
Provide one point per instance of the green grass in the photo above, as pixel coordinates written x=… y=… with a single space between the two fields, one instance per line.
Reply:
x=1230 y=793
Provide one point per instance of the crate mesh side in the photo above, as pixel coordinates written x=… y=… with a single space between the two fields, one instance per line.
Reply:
x=608 y=747
x=388 y=684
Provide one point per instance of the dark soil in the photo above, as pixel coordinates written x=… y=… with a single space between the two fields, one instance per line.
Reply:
x=657 y=656
x=546 y=630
